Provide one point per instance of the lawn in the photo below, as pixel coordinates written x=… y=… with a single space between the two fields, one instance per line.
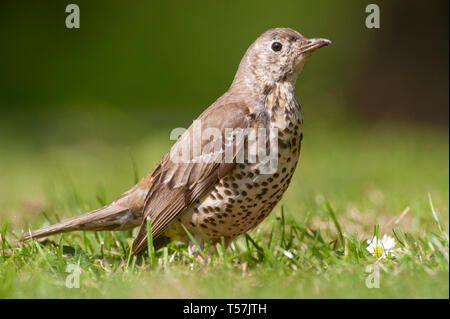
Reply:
x=354 y=180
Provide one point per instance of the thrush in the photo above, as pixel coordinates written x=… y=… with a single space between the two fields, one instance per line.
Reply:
x=216 y=198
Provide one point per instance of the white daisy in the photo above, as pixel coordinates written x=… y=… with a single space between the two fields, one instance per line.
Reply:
x=382 y=248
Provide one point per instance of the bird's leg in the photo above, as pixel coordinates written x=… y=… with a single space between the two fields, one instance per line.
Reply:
x=195 y=247
x=201 y=242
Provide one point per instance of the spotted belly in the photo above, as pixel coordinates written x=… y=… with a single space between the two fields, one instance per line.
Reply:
x=242 y=199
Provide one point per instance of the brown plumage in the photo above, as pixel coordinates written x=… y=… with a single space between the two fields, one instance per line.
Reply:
x=219 y=198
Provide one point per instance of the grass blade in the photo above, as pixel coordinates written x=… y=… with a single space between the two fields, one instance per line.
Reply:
x=437 y=219
x=150 y=247
x=336 y=223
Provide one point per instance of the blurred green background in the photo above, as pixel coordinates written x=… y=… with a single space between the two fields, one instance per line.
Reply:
x=82 y=105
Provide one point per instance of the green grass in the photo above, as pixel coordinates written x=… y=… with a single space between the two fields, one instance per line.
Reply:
x=352 y=181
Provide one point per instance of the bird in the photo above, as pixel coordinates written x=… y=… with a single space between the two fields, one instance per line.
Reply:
x=197 y=200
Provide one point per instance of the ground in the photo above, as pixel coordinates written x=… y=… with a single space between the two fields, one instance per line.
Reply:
x=354 y=180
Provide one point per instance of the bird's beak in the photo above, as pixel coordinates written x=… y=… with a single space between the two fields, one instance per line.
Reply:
x=314 y=44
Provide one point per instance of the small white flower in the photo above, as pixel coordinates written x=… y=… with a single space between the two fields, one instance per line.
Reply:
x=382 y=248
x=287 y=253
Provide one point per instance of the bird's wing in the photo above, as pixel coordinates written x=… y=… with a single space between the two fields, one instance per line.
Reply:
x=177 y=185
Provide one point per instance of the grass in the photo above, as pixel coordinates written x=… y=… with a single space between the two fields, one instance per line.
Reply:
x=352 y=182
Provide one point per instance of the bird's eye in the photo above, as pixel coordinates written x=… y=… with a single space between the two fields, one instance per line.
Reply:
x=276 y=46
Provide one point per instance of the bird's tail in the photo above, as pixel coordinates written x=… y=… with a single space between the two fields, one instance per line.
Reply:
x=109 y=217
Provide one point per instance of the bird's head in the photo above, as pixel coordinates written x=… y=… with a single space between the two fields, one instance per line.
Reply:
x=277 y=55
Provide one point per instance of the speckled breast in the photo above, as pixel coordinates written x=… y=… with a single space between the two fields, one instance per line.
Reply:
x=241 y=200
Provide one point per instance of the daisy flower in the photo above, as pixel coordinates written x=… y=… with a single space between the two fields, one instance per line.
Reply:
x=382 y=248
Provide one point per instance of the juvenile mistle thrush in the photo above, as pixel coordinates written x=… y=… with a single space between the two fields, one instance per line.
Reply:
x=219 y=198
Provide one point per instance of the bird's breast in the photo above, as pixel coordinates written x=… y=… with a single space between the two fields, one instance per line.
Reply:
x=242 y=199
